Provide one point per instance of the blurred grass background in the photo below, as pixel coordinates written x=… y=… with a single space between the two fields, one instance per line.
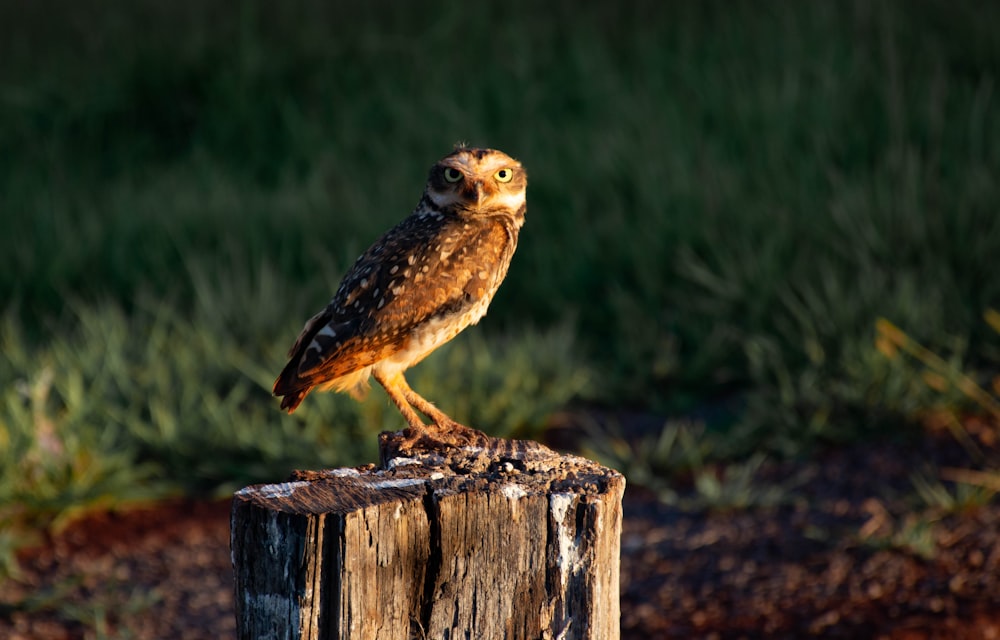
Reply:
x=724 y=198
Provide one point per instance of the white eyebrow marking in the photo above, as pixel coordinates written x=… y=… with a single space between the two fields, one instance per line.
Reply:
x=443 y=200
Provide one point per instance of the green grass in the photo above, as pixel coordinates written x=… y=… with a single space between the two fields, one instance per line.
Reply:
x=724 y=198
x=685 y=454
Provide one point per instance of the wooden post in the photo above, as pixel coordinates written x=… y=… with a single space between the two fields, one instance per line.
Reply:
x=509 y=540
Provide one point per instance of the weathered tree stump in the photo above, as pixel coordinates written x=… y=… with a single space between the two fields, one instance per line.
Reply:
x=508 y=540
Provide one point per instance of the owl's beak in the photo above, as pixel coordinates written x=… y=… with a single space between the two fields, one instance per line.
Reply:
x=478 y=192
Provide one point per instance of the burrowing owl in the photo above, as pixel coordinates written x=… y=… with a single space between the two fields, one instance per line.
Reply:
x=416 y=288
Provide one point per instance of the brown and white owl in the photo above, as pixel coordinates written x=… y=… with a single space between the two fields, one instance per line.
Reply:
x=415 y=289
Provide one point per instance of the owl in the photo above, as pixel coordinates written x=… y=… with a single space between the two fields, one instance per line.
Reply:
x=416 y=288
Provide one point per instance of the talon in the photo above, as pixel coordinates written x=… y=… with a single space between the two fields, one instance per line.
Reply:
x=458 y=435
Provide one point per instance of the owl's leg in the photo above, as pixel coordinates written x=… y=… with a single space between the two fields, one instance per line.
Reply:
x=426 y=407
x=451 y=431
x=448 y=431
x=396 y=387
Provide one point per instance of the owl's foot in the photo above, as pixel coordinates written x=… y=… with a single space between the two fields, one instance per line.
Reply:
x=440 y=436
x=458 y=447
x=460 y=435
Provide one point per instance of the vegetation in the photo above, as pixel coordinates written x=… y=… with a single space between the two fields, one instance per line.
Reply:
x=724 y=199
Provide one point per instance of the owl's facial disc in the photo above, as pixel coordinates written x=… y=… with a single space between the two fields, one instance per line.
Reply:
x=478 y=180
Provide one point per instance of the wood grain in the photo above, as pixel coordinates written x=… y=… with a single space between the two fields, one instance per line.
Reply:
x=509 y=540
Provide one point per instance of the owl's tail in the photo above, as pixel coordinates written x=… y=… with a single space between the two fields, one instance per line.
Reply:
x=293 y=400
x=290 y=388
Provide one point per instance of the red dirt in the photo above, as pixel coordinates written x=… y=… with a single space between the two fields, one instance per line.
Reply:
x=160 y=572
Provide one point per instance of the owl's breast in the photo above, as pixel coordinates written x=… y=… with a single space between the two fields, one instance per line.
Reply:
x=431 y=334
x=446 y=285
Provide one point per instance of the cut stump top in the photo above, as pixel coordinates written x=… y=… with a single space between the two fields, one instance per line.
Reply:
x=515 y=467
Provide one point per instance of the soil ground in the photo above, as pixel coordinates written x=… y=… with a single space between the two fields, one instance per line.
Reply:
x=844 y=557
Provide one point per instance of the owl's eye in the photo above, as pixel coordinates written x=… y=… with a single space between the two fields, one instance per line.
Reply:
x=452 y=175
x=504 y=175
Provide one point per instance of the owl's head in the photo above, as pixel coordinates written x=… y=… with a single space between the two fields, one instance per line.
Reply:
x=478 y=181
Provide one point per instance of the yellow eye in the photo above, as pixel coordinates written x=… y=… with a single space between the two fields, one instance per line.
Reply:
x=504 y=175
x=452 y=175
